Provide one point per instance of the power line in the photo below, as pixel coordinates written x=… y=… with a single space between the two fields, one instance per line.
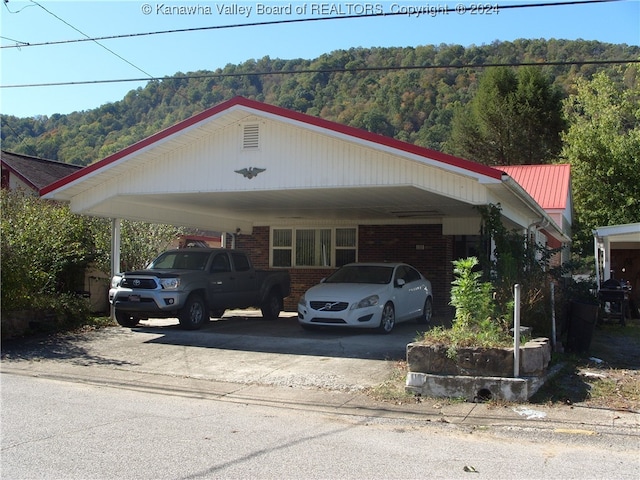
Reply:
x=297 y=20
x=335 y=70
x=91 y=39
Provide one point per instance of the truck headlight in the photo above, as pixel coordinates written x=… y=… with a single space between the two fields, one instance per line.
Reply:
x=115 y=281
x=369 y=301
x=170 y=283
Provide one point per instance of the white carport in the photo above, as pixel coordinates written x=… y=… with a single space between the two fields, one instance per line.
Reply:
x=243 y=164
x=616 y=237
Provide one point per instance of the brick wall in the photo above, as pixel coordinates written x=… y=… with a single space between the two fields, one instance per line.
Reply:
x=422 y=246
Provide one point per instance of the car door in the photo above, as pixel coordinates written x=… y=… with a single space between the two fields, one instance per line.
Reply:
x=246 y=288
x=222 y=283
x=410 y=296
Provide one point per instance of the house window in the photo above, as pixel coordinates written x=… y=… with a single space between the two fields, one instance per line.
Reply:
x=312 y=247
x=345 y=246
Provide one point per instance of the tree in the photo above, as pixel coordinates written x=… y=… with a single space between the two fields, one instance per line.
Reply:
x=514 y=118
x=45 y=249
x=603 y=146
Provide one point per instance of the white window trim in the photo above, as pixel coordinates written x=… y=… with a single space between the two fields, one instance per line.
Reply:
x=293 y=245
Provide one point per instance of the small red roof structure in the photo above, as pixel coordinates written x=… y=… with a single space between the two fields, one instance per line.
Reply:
x=549 y=185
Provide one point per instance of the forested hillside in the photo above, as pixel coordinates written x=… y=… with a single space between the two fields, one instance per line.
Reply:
x=378 y=89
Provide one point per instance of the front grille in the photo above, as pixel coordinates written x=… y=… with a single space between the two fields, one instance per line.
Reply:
x=144 y=283
x=339 y=321
x=329 y=306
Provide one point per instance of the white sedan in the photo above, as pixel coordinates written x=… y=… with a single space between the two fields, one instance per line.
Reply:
x=368 y=295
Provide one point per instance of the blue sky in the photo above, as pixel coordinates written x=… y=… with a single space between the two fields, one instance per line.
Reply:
x=167 y=54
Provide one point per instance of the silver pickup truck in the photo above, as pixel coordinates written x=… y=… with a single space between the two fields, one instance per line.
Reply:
x=194 y=284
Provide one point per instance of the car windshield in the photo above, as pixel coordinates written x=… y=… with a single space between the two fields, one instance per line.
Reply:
x=181 y=260
x=362 y=274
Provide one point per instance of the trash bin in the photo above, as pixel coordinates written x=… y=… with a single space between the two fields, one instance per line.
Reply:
x=583 y=317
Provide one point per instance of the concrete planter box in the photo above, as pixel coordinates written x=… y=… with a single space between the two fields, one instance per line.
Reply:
x=477 y=373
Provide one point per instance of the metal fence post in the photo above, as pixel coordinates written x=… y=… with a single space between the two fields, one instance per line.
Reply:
x=516 y=330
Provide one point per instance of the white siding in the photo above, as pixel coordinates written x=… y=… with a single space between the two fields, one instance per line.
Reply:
x=294 y=158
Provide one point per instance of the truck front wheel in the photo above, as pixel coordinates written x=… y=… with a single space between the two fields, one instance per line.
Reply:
x=193 y=314
x=272 y=306
x=126 y=319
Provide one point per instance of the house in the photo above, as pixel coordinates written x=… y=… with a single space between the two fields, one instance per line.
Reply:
x=303 y=193
x=617 y=256
x=31 y=173
x=550 y=187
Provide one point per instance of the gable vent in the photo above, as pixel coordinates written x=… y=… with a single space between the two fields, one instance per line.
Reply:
x=251 y=137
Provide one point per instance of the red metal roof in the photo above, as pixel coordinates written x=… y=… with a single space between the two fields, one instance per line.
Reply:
x=472 y=167
x=547 y=184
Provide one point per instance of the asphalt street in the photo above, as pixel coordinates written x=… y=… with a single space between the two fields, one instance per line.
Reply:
x=242 y=361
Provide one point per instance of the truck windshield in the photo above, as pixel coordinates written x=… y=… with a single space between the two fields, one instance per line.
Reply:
x=181 y=260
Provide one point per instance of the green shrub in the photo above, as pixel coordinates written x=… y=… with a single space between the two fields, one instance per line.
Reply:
x=45 y=250
x=471 y=297
x=65 y=312
x=476 y=322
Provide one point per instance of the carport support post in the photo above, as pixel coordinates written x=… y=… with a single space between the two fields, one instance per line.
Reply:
x=115 y=249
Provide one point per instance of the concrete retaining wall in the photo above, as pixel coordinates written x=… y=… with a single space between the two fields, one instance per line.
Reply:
x=477 y=374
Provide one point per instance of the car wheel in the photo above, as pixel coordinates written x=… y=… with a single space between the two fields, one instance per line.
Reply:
x=427 y=312
x=193 y=314
x=125 y=319
x=388 y=320
x=272 y=306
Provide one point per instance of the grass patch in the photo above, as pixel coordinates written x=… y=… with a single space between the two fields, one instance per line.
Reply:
x=393 y=389
x=608 y=377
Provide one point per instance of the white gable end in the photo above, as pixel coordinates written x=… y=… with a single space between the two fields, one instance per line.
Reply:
x=292 y=158
x=243 y=164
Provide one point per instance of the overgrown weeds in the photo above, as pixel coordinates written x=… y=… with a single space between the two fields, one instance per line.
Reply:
x=477 y=321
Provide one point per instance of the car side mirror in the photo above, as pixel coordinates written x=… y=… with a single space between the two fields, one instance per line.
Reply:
x=400 y=283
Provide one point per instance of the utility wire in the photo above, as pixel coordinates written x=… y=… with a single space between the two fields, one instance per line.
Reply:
x=89 y=39
x=335 y=70
x=296 y=20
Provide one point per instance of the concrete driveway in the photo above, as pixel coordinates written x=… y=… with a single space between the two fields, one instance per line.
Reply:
x=240 y=348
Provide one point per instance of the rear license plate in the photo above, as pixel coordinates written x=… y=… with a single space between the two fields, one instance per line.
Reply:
x=134 y=298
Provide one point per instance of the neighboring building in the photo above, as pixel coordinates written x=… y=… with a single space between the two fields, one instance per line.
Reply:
x=306 y=194
x=617 y=256
x=198 y=239
x=550 y=187
x=31 y=173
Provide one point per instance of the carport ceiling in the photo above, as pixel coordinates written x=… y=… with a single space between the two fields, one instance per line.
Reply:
x=364 y=204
